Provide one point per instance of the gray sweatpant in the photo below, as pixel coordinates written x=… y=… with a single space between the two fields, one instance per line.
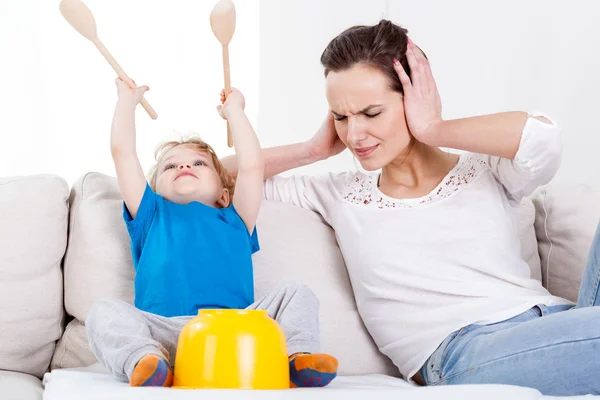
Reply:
x=120 y=334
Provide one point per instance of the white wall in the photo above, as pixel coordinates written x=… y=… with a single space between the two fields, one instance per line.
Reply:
x=57 y=92
x=487 y=56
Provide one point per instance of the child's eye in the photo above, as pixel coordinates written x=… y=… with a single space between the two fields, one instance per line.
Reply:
x=169 y=166
x=199 y=162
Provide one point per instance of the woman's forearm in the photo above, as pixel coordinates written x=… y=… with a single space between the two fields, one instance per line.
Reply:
x=494 y=134
x=278 y=159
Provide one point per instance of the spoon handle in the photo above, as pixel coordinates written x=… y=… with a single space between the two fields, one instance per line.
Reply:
x=121 y=73
x=227 y=87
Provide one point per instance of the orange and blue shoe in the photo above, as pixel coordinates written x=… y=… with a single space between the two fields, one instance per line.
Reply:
x=312 y=370
x=152 y=370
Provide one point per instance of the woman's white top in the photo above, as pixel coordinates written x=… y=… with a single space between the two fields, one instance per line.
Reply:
x=422 y=268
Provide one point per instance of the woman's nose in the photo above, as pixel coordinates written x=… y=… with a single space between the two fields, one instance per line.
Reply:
x=356 y=132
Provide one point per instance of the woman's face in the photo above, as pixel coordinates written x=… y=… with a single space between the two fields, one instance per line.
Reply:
x=369 y=115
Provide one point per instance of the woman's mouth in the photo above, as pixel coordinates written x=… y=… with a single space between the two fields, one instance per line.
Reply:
x=365 y=151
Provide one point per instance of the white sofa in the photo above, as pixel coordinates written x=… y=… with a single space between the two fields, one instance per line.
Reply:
x=63 y=248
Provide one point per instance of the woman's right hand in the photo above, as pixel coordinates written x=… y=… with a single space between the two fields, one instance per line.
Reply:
x=326 y=142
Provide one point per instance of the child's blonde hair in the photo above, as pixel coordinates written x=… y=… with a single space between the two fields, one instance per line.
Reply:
x=197 y=144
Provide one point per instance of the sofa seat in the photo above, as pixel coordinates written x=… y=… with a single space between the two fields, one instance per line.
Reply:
x=19 y=386
x=94 y=383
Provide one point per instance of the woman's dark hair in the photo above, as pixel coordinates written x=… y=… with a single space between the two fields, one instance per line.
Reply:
x=374 y=46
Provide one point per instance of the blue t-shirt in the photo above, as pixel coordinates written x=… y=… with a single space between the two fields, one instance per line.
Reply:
x=190 y=256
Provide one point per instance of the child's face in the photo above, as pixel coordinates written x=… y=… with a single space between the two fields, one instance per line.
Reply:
x=185 y=174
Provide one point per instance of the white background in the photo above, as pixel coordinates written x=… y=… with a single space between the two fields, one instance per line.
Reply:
x=57 y=92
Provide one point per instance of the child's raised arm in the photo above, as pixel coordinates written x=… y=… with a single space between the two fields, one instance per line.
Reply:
x=130 y=174
x=249 y=184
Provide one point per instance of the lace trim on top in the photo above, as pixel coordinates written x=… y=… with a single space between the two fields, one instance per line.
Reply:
x=363 y=188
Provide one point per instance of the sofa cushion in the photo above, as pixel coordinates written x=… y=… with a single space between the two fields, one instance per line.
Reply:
x=33 y=237
x=566 y=219
x=296 y=245
x=98 y=259
x=19 y=386
x=73 y=350
x=529 y=245
x=98 y=264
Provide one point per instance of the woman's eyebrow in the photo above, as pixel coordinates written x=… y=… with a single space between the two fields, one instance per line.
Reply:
x=363 y=111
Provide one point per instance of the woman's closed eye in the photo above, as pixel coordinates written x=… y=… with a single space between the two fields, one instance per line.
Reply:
x=368 y=115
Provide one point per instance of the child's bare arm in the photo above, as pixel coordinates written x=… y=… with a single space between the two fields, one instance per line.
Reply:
x=249 y=184
x=130 y=174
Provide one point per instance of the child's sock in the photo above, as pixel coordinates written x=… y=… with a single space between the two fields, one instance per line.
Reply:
x=152 y=370
x=312 y=370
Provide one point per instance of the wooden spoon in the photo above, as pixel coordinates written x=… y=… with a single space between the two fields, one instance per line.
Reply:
x=222 y=22
x=80 y=17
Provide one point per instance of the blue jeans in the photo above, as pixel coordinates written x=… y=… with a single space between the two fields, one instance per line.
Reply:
x=555 y=350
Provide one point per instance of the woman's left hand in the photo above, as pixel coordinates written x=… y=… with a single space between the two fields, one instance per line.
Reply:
x=422 y=102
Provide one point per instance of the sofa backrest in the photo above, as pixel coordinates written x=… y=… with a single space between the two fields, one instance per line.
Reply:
x=295 y=245
x=33 y=237
x=566 y=219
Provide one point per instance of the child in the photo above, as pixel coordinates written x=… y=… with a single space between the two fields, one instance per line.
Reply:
x=192 y=242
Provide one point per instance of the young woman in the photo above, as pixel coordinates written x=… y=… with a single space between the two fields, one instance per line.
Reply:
x=430 y=241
